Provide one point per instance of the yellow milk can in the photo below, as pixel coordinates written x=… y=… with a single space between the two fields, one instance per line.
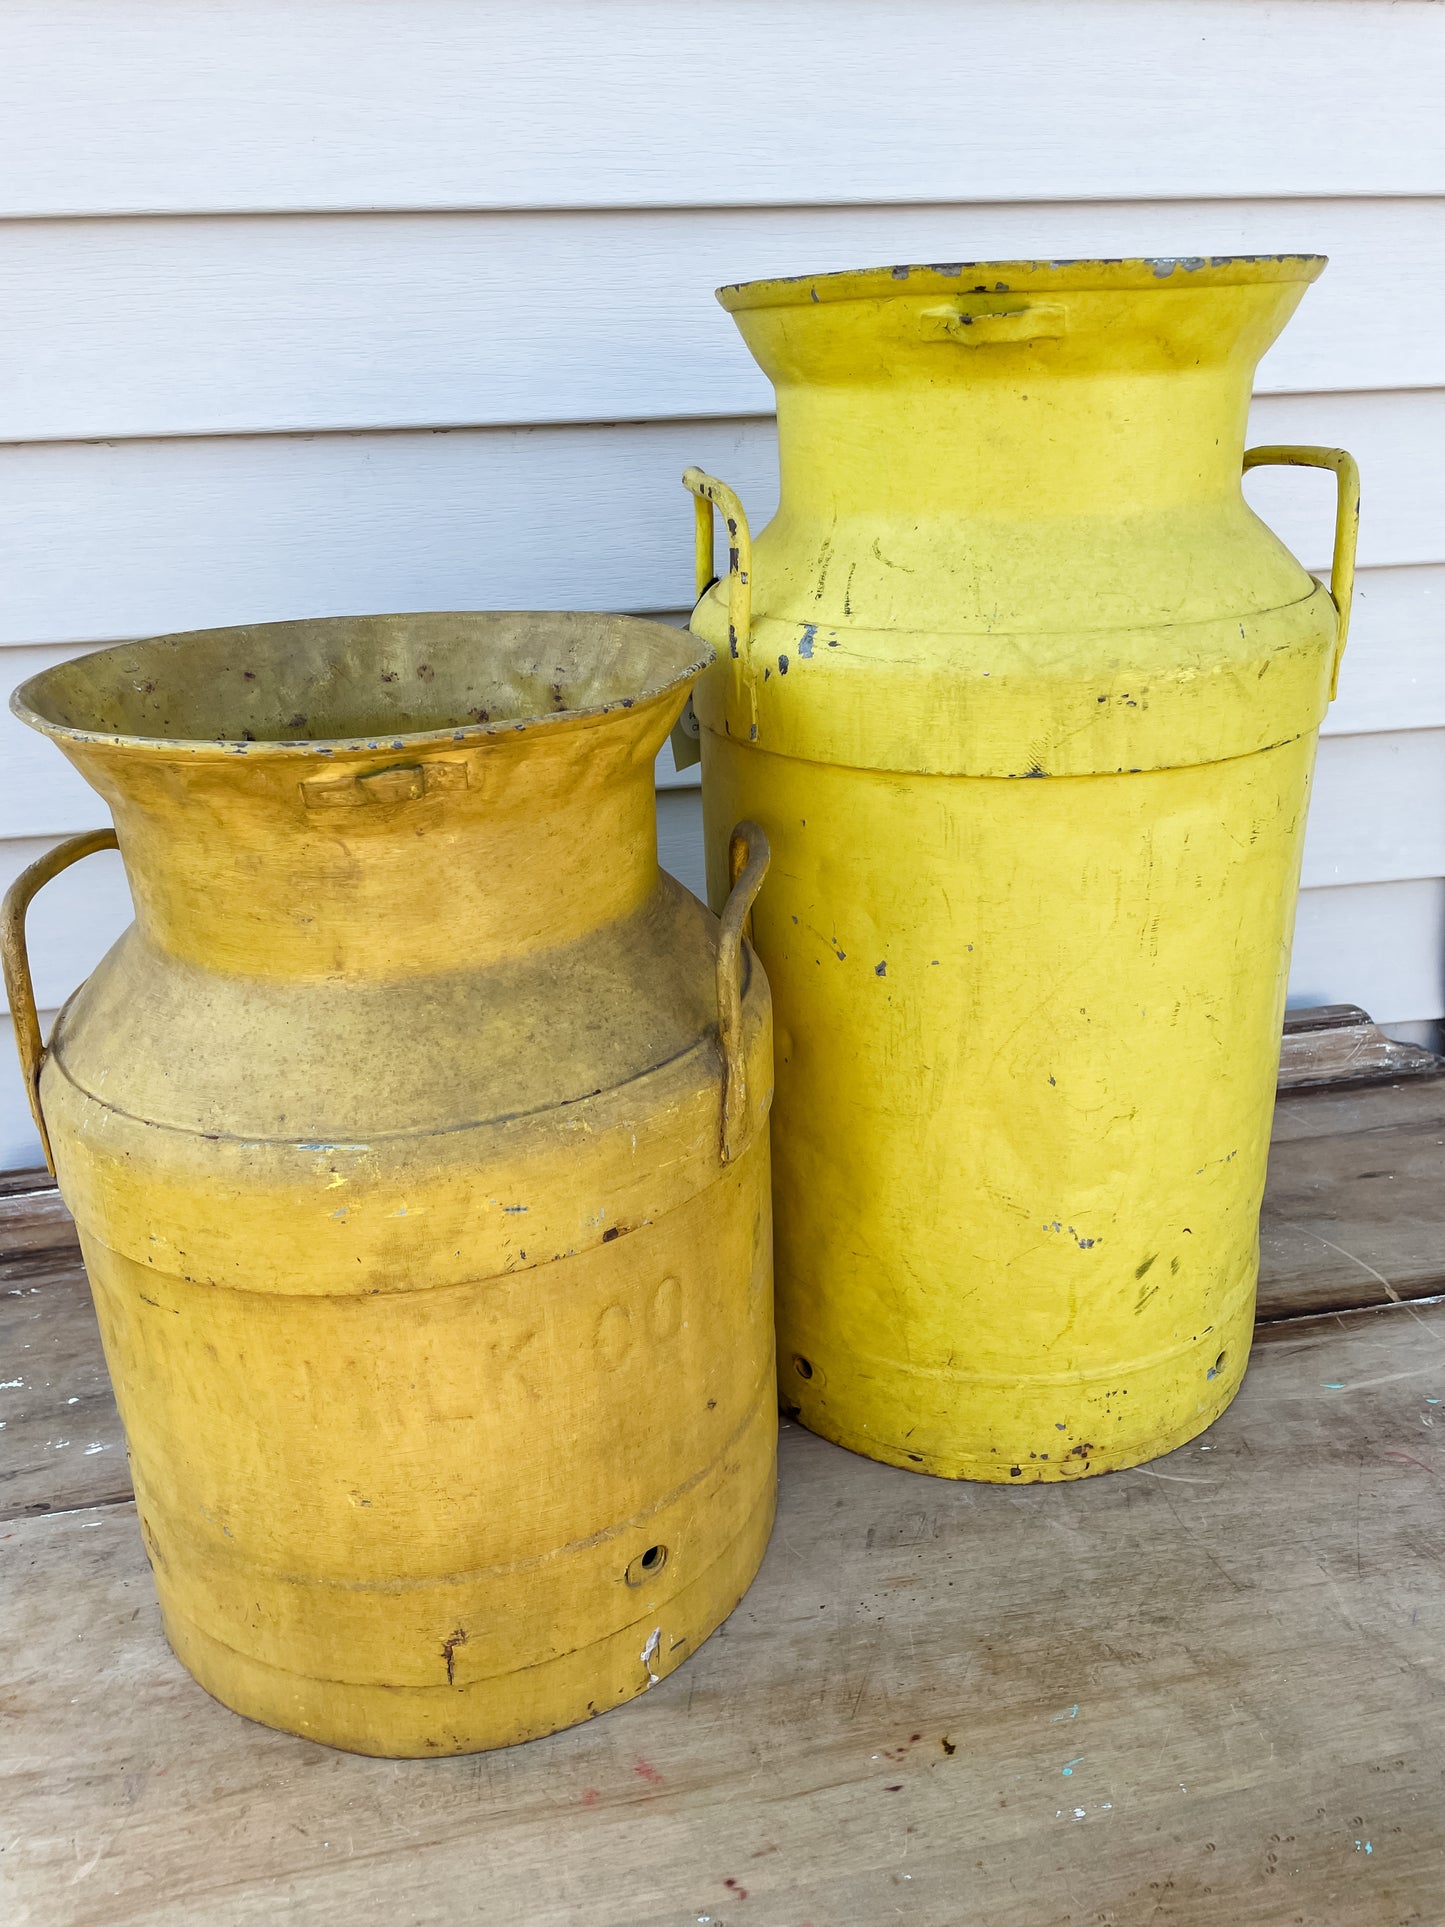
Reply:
x=417 y=1137
x=1026 y=699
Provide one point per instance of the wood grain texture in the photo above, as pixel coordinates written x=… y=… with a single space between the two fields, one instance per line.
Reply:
x=1336 y=1045
x=1355 y=1209
x=1206 y=1693
x=34 y=1223
x=424 y=103
x=61 y=1445
x=406 y=321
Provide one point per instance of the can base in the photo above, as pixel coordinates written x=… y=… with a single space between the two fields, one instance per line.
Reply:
x=1019 y=1429
x=428 y=1722
x=995 y=1470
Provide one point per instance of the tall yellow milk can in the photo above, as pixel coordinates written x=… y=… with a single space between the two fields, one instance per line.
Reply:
x=1026 y=699
x=417 y=1137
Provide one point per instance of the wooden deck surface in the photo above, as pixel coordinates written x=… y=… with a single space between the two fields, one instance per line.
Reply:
x=1211 y=1690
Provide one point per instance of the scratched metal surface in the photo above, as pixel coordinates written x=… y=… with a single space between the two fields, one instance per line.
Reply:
x=1354 y=1215
x=1205 y=1692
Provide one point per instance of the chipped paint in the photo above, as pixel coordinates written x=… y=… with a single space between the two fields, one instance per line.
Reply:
x=491 y=989
x=1010 y=607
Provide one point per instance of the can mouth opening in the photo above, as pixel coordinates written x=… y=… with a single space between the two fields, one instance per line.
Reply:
x=1137 y=273
x=360 y=682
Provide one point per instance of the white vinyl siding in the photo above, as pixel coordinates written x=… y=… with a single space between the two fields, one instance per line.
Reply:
x=179 y=106
x=343 y=305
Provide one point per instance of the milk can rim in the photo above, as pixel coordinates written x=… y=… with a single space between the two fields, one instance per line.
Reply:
x=382 y=742
x=1125 y=274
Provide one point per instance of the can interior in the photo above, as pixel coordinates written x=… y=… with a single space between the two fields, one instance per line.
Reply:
x=349 y=678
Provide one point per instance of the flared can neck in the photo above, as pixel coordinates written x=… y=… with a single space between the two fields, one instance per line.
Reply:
x=455 y=790
x=391 y=867
x=1016 y=389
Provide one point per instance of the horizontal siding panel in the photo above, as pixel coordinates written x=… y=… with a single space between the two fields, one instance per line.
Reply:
x=1377 y=813
x=98 y=540
x=1394 y=669
x=40 y=794
x=1379 y=945
x=444 y=320
x=117 y=106
x=679 y=839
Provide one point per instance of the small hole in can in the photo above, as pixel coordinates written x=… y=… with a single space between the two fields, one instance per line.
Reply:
x=647 y=1565
x=1217 y=1367
x=802 y=1366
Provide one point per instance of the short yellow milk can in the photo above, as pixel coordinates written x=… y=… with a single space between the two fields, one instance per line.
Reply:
x=417 y=1137
x=1026 y=699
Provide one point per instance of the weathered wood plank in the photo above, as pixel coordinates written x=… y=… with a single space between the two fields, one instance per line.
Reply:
x=33 y=1219
x=1339 y=1044
x=61 y=1442
x=1355 y=1207
x=1205 y=1693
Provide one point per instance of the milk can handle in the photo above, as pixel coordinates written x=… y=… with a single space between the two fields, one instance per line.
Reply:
x=708 y=490
x=748 y=857
x=1347 y=525
x=19 y=987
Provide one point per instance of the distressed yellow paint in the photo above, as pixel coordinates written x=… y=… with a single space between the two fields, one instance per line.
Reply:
x=487 y=1445
x=1027 y=1030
